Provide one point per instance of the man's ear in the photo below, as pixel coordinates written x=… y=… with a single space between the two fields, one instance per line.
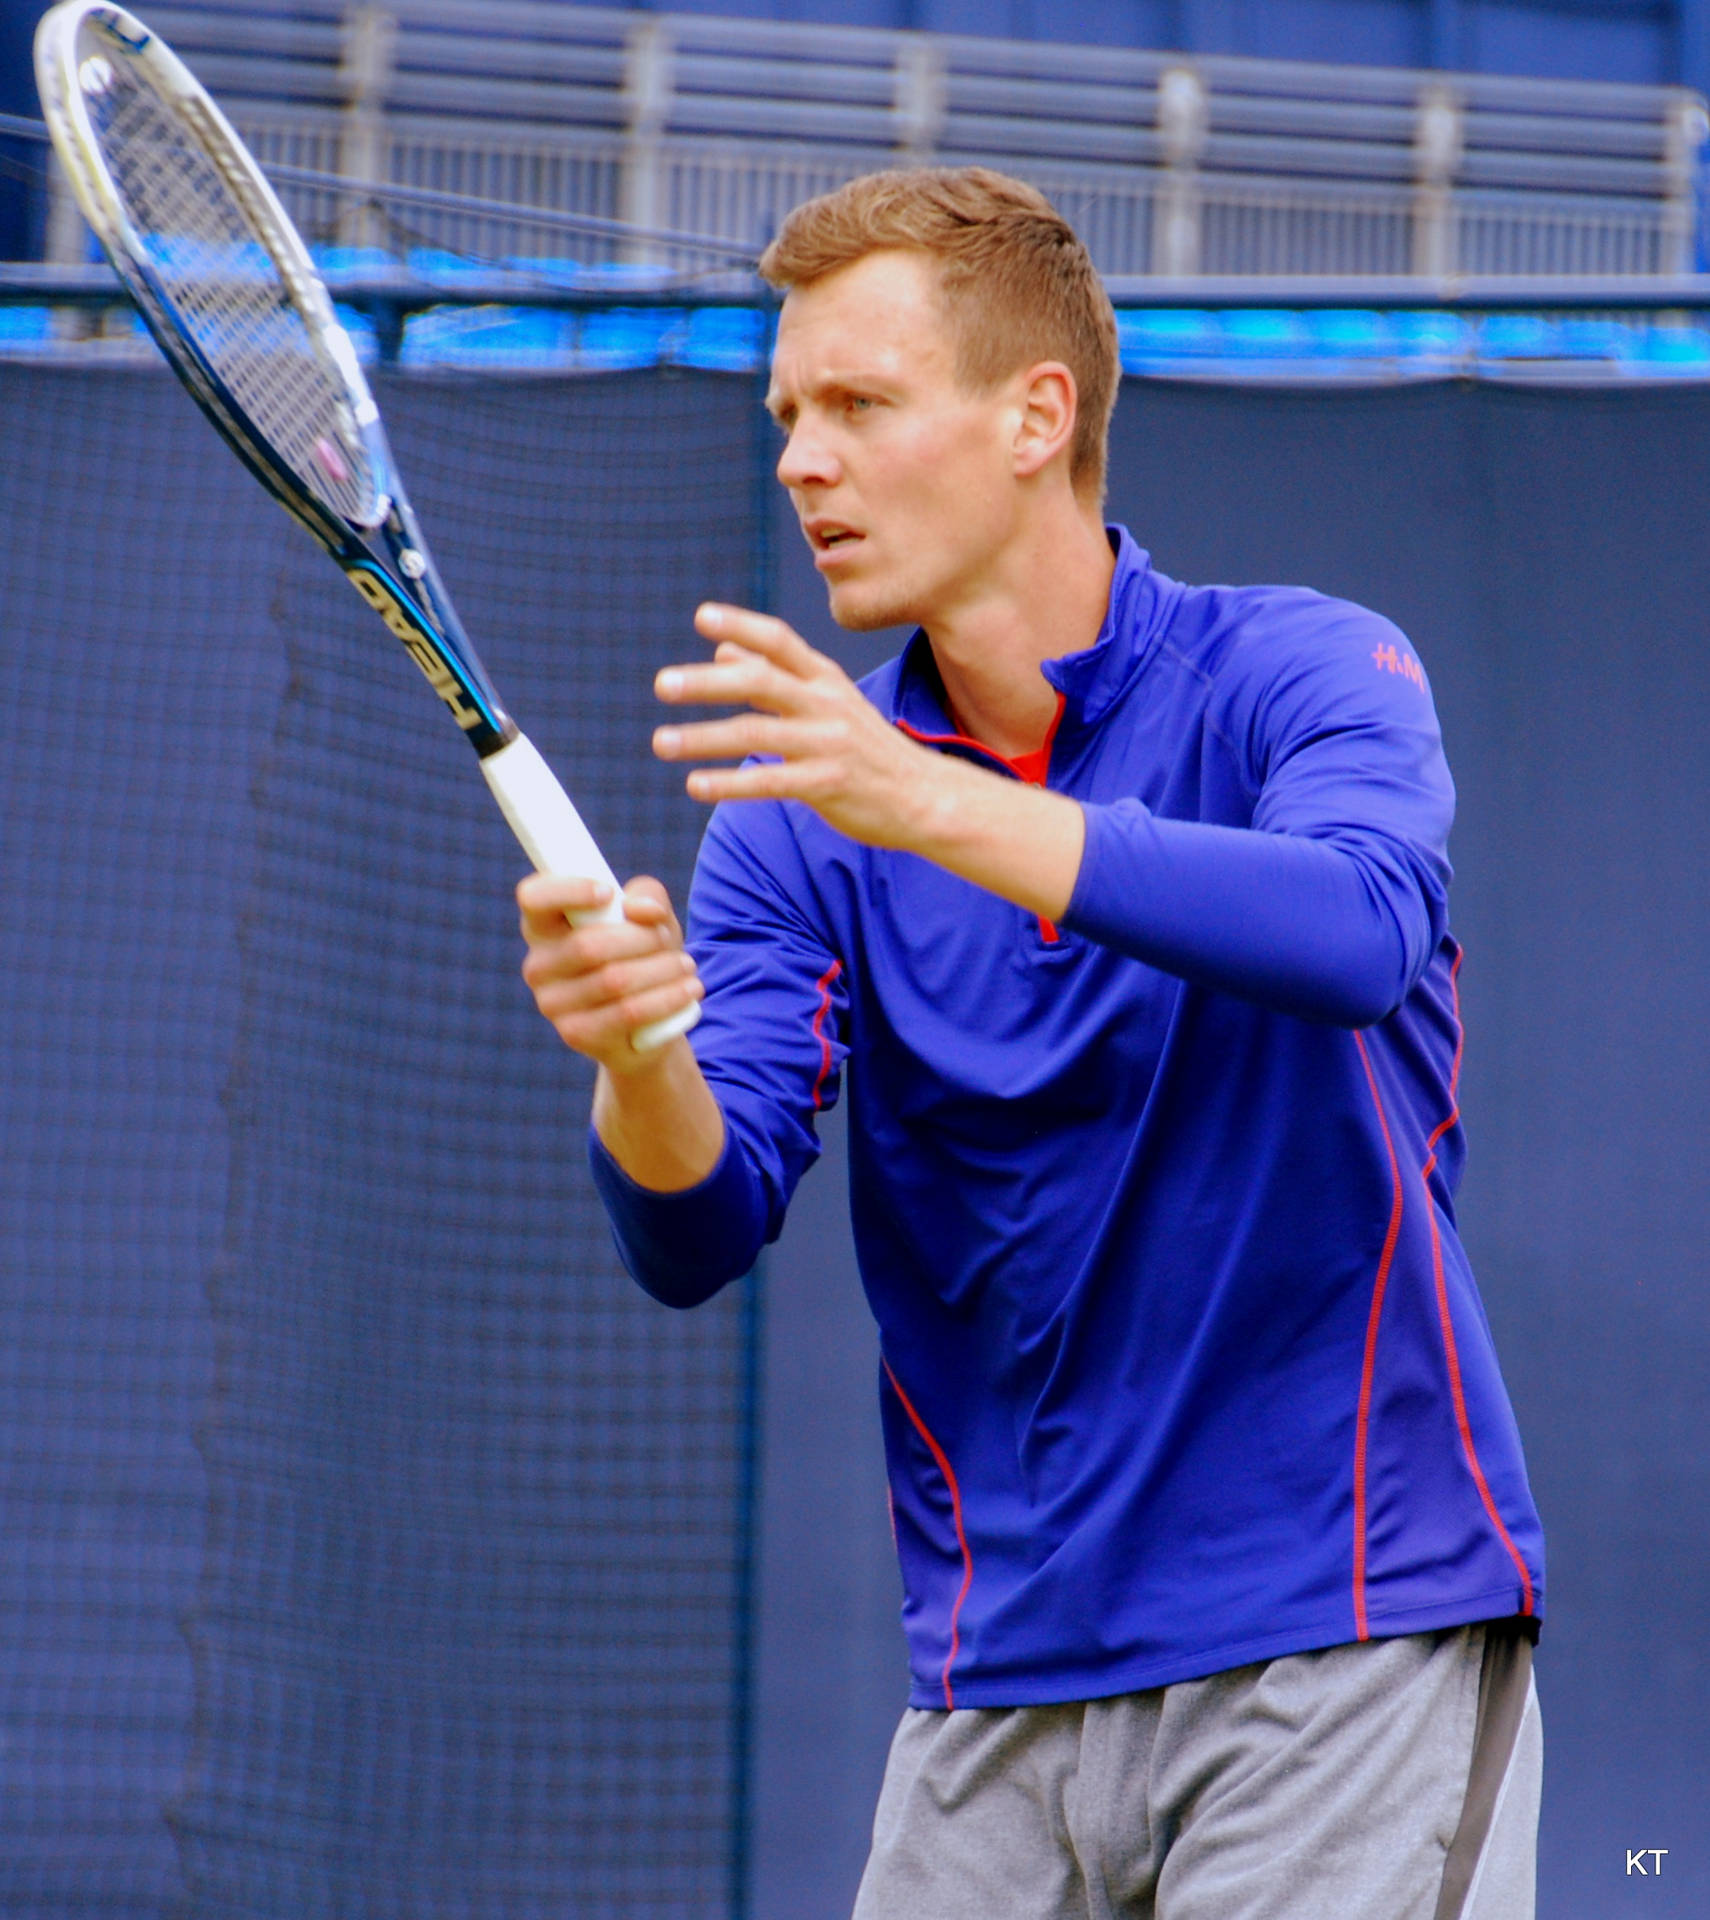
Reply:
x=1046 y=412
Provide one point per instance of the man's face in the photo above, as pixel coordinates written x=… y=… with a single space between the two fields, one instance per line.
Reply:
x=903 y=479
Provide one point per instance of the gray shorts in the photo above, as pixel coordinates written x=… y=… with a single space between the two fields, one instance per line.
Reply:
x=1392 y=1780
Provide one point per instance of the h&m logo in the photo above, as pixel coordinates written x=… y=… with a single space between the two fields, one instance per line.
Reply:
x=373 y=588
x=1395 y=660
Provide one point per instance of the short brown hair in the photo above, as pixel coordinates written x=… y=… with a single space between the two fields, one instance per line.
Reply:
x=1019 y=285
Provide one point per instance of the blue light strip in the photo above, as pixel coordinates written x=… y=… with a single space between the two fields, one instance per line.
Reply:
x=1353 y=345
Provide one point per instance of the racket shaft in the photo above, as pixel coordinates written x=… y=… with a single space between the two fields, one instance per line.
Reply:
x=553 y=835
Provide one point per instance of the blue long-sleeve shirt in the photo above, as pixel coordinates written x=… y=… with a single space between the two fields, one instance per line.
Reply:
x=1183 y=1364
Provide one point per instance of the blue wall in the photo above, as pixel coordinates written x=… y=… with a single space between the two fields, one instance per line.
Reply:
x=167 y=1063
x=368 y=1544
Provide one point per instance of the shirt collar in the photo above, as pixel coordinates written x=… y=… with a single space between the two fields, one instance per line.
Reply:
x=1091 y=681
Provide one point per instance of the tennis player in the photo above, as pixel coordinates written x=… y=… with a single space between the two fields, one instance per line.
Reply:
x=1121 y=907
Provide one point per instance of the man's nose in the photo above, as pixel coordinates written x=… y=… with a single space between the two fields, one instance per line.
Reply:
x=808 y=460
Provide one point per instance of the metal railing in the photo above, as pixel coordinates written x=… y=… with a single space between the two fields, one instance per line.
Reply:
x=1169 y=165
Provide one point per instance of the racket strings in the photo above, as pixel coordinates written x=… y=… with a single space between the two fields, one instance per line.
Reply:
x=227 y=291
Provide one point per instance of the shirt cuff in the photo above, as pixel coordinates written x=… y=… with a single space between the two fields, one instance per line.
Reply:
x=682 y=1247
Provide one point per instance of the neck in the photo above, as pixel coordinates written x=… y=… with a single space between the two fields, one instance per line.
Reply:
x=1048 y=596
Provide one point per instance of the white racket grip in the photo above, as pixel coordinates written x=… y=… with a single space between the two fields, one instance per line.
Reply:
x=553 y=835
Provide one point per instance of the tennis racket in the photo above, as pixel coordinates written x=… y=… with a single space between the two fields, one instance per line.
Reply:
x=227 y=288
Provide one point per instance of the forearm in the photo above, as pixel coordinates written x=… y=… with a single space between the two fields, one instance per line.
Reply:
x=1302 y=924
x=685 y=1208
x=659 y=1121
x=1020 y=842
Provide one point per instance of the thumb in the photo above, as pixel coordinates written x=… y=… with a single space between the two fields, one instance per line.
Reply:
x=646 y=901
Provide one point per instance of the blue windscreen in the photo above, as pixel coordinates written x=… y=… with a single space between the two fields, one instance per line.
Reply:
x=371 y=1544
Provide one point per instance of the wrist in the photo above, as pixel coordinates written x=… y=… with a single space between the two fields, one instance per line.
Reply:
x=631 y=1068
x=658 y=1119
x=1021 y=842
x=940 y=814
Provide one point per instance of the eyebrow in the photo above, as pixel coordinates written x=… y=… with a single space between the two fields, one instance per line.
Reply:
x=835 y=388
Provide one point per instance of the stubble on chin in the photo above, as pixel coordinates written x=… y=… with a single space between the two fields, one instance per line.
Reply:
x=868 y=612
x=870 y=619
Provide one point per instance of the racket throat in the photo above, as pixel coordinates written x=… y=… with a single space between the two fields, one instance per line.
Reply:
x=421 y=643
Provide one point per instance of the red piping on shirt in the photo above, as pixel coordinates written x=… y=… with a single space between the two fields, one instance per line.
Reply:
x=1450 y=1351
x=819 y=1032
x=1362 y=1425
x=943 y=1463
x=1031 y=768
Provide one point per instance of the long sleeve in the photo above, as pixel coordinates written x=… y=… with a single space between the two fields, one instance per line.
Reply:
x=1333 y=932
x=769 y=1043
x=1329 y=901
x=682 y=1247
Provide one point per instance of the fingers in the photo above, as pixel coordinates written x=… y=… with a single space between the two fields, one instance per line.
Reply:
x=621 y=995
x=548 y=901
x=736 y=678
x=605 y=1032
x=798 y=700
x=812 y=781
x=759 y=662
x=602 y=980
x=760 y=632
x=559 y=951
x=645 y=900
x=747 y=733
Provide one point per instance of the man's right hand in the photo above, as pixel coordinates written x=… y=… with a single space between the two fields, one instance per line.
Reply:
x=599 y=982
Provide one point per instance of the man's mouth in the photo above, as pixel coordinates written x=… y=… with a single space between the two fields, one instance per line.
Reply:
x=830 y=536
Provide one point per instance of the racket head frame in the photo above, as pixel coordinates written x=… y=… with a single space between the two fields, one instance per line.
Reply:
x=381 y=550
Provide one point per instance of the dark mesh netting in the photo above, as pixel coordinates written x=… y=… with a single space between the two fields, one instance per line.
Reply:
x=361 y=1518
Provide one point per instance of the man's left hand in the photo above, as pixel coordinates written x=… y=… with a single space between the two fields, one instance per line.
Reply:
x=834 y=749
x=841 y=756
